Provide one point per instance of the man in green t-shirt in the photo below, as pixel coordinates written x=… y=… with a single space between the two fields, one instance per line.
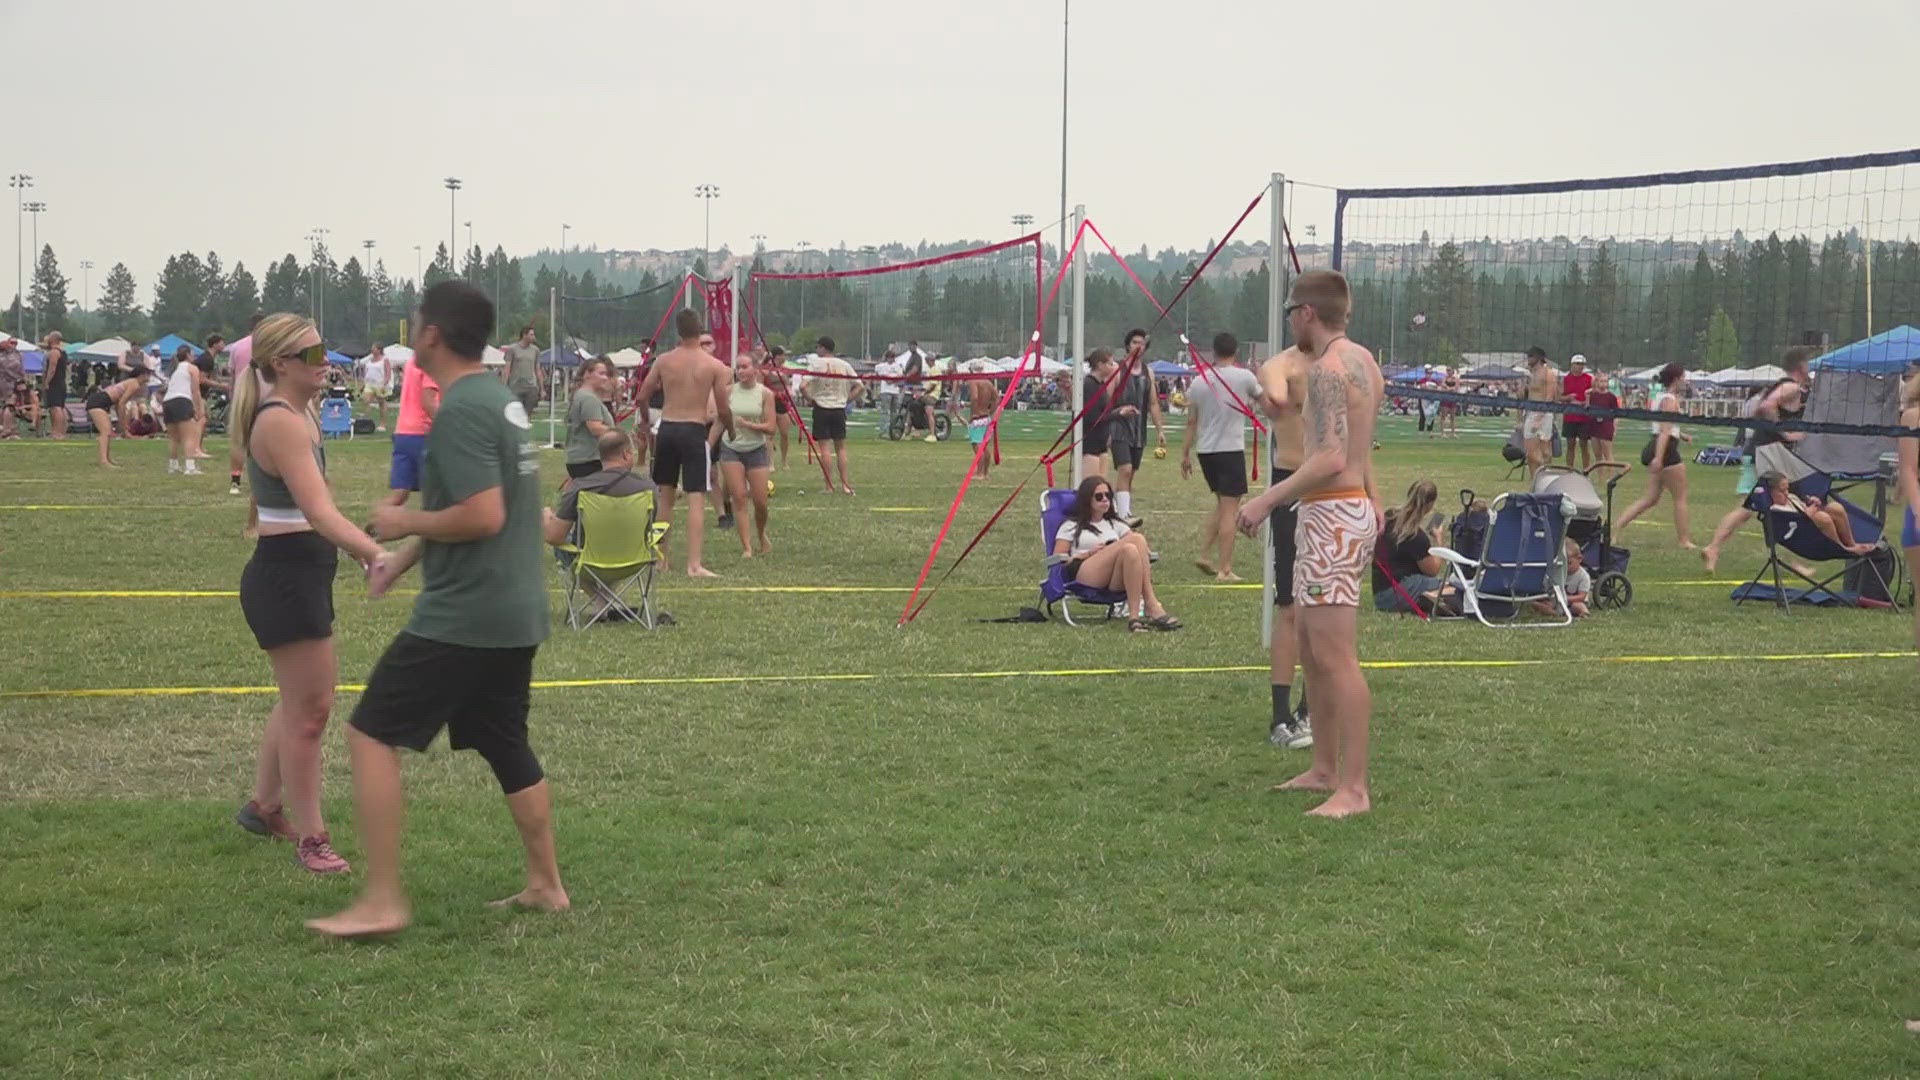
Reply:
x=522 y=370
x=465 y=660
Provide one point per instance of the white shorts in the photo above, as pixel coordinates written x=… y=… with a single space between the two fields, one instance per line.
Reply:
x=1537 y=426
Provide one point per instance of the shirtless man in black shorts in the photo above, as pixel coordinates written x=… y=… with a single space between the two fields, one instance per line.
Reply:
x=1283 y=387
x=689 y=378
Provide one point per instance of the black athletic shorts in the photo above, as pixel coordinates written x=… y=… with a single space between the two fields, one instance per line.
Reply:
x=286 y=589
x=578 y=469
x=1094 y=442
x=1124 y=454
x=177 y=410
x=55 y=394
x=1225 y=472
x=829 y=424
x=98 y=399
x=680 y=455
x=1572 y=428
x=419 y=686
x=1672 y=456
x=1283 y=522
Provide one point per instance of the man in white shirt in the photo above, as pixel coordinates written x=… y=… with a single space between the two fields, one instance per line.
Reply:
x=888 y=369
x=828 y=388
x=1219 y=403
x=375 y=377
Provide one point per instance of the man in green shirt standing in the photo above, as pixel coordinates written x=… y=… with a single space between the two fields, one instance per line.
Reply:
x=465 y=660
x=522 y=373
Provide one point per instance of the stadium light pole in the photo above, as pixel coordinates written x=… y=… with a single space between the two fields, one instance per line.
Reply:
x=85 y=266
x=563 y=253
x=759 y=241
x=20 y=182
x=36 y=209
x=453 y=194
x=417 y=272
x=317 y=301
x=1023 y=222
x=1066 y=52
x=368 y=245
x=803 y=246
x=706 y=193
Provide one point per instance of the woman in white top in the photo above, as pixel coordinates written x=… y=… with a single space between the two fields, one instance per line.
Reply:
x=1666 y=470
x=745 y=457
x=1103 y=552
x=180 y=408
x=374 y=379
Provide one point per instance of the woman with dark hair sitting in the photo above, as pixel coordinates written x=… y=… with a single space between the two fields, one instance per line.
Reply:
x=1405 y=569
x=1104 y=553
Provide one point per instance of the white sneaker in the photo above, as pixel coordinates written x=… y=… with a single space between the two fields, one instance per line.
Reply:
x=172 y=466
x=233 y=489
x=192 y=469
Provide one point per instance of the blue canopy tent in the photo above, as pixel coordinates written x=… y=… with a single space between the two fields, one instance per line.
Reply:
x=1411 y=375
x=557 y=357
x=1169 y=368
x=171 y=343
x=1886 y=353
x=342 y=359
x=1857 y=384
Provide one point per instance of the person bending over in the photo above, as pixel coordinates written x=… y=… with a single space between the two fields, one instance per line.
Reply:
x=1404 y=554
x=1104 y=552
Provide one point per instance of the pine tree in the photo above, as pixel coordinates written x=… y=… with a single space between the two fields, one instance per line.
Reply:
x=118 y=312
x=48 y=294
x=282 y=289
x=213 y=312
x=180 y=294
x=1719 y=345
x=240 y=300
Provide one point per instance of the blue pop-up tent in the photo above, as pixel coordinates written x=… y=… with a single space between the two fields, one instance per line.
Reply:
x=340 y=359
x=171 y=343
x=1169 y=369
x=1886 y=353
x=558 y=357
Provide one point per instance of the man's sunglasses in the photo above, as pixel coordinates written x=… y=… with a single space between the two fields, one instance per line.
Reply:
x=312 y=355
x=1287 y=312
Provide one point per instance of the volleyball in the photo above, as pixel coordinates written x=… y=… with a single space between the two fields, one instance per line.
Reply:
x=1160 y=453
x=769 y=489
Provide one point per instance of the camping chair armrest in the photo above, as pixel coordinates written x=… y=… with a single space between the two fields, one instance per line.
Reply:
x=1452 y=556
x=1056 y=560
x=658 y=530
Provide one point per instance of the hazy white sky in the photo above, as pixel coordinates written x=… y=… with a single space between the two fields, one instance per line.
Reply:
x=239 y=126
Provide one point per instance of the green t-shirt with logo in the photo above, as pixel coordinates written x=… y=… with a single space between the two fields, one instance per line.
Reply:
x=488 y=593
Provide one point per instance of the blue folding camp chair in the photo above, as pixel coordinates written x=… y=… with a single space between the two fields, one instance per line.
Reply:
x=1523 y=559
x=336 y=418
x=1056 y=589
x=1789 y=529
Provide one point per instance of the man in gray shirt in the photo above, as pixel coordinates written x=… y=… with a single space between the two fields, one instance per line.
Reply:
x=1218 y=404
x=522 y=373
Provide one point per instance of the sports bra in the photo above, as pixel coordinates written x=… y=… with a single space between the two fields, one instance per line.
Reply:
x=270 y=493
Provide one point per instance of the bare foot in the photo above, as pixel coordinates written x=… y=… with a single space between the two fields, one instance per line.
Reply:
x=848 y=490
x=1343 y=804
x=766 y=546
x=1688 y=545
x=1914 y=1026
x=700 y=571
x=364 y=919
x=1311 y=780
x=1205 y=567
x=1710 y=556
x=979 y=476
x=746 y=553
x=1228 y=576
x=537 y=899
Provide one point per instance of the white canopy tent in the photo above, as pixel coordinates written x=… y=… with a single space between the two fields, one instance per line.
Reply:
x=493 y=357
x=626 y=358
x=112 y=348
x=1754 y=376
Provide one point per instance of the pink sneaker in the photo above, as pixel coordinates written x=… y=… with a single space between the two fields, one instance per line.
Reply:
x=316 y=854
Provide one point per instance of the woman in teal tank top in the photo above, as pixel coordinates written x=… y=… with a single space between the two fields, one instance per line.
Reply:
x=286 y=590
x=744 y=458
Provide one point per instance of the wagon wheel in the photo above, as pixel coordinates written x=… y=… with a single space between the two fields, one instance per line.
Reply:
x=1612 y=591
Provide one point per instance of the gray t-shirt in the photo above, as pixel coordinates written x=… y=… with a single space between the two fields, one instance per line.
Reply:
x=1222 y=426
x=617 y=483
x=523 y=366
x=583 y=445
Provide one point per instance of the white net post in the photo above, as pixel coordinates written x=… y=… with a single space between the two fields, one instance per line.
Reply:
x=553 y=376
x=738 y=284
x=1277 y=267
x=1078 y=343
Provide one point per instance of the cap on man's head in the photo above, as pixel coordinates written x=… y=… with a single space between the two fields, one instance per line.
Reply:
x=1576 y=358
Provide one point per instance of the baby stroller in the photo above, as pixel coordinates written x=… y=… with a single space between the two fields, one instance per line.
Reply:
x=1591 y=526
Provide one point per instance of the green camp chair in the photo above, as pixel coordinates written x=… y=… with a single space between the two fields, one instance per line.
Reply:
x=618 y=553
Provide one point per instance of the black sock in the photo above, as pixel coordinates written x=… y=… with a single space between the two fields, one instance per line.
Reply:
x=235 y=477
x=1282 y=704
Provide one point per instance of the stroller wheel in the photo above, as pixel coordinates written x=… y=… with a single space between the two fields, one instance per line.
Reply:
x=1612 y=591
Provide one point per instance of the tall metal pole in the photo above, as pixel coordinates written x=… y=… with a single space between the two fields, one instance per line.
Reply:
x=20 y=182
x=1023 y=222
x=35 y=208
x=553 y=320
x=803 y=245
x=86 y=278
x=706 y=193
x=735 y=332
x=418 y=274
x=1079 y=340
x=368 y=244
x=1278 y=272
x=1066 y=9
x=453 y=189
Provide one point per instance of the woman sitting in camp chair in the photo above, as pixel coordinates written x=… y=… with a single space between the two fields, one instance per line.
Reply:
x=1102 y=552
x=1406 y=572
x=1830 y=518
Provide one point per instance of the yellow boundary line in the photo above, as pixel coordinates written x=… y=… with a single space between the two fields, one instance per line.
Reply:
x=1059 y=673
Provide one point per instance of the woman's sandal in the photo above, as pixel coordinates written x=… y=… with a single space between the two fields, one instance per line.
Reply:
x=1138 y=625
x=1165 y=622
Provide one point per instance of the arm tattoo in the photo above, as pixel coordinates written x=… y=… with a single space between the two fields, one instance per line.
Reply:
x=1327 y=406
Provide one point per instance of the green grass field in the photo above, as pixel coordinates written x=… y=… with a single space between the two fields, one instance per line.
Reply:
x=802 y=841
